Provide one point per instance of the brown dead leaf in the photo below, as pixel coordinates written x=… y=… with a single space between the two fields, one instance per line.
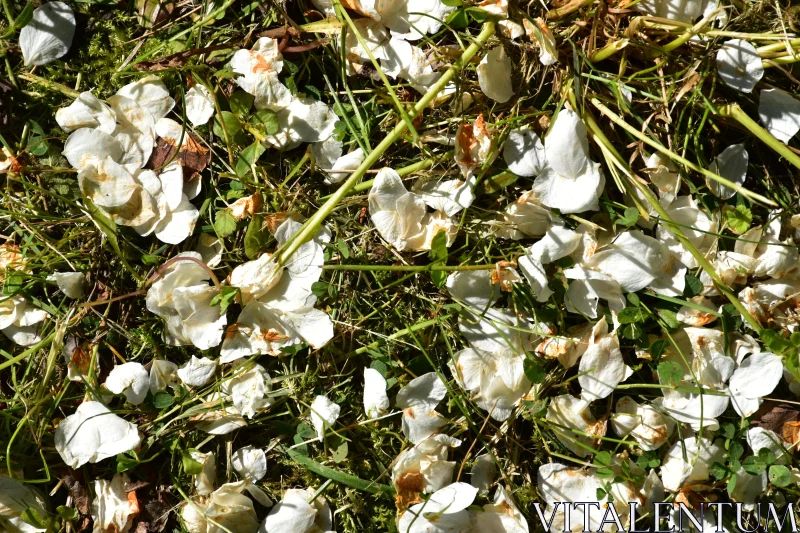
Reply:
x=783 y=419
x=193 y=156
x=80 y=498
x=246 y=207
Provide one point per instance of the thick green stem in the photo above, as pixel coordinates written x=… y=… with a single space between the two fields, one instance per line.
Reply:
x=33 y=349
x=616 y=119
x=735 y=112
x=312 y=225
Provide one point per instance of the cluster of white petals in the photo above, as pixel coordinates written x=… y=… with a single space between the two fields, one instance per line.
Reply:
x=94 y=433
x=111 y=143
x=20 y=321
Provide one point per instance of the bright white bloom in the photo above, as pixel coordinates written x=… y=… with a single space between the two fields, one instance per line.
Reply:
x=473 y=288
x=571 y=182
x=780 y=113
x=731 y=164
x=19 y=320
x=523 y=152
x=182 y=297
x=602 y=367
x=163 y=374
x=226 y=508
x=739 y=65
x=646 y=425
x=425 y=468
x=87 y=111
x=199 y=105
x=151 y=94
x=756 y=377
x=293 y=514
x=48 y=35
x=249 y=389
x=205 y=481
x=688 y=461
x=70 y=283
x=418 y=400
x=198 y=371
x=376 y=401
x=94 y=433
x=130 y=379
x=323 y=414
x=111 y=508
x=567 y=413
x=444 y=512
x=494 y=75
x=15 y=498
x=501 y=516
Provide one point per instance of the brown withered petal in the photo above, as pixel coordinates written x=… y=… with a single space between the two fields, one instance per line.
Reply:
x=783 y=419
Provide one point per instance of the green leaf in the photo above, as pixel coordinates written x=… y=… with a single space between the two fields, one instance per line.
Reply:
x=632 y=331
x=731 y=483
x=735 y=449
x=727 y=430
x=738 y=218
x=247 y=158
x=224 y=223
x=347 y=480
x=780 y=476
x=25 y=16
x=240 y=103
x=37 y=145
x=693 y=286
x=477 y=14
x=633 y=298
x=67 y=513
x=162 y=400
x=752 y=465
x=629 y=218
x=600 y=493
x=669 y=317
x=718 y=470
x=458 y=19
x=670 y=373
x=126 y=461
x=658 y=348
x=190 y=466
x=104 y=224
x=339 y=450
x=632 y=315
x=603 y=458
x=438 y=256
x=32 y=517
x=232 y=125
x=266 y=121
x=766 y=456
x=225 y=297
x=534 y=370
x=255 y=238
x=344 y=250
x=453 y=3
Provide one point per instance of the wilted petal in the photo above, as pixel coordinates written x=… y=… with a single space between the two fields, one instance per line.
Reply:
x=86 y=145
x=70 y=283
x=151 y=94
x=130 y=379
x=163 y=374
x=112 y=510
x=87 y=111
x=15 y=499
x=199 y=105
x=494 y=75
x=731 y=164
x=197 y=372
x=250 y=463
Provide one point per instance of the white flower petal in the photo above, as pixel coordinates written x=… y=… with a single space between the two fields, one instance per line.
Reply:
x=130 y=379
x=739 y=65
x=163 y=374
x=250 y=463
x=688 y=462
x=474 y=288
x=93 y=433
x=534 y=272
x=633 y=259
x=558 y=242
x=376 y=401
x=602 y=367
x=323 y=414
x=494 y=75
x=151 y=94
x=757 y=376
x=249 y=390
x=205 y=481
x=48 y=35
x=566 y=413
x=780 y=113
x=111 y=508
x=731 y=164
x=15 y=499
x=571 y=194
x=210 y=249
x=524 y=153
x=197 y=372
x=179 y=224
x=396 y=213
x=199 y=105
x=70 y=283
x=87 y=111
x=86 y=145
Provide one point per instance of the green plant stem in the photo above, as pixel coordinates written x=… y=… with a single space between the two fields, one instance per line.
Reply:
x=63 y=89
x=402 y=333
x=735 y=112
x=608 y=50
x=694 y=30
x=33 y=349
x=312 y=225
x=616 y=119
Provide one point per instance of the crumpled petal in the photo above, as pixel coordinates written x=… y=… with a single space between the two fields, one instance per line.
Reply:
x=87 y=111
x=323 y=414
x=197 y=372
x=250 y=462
x=130 y=379
x=199 y=105
x=85 y=145
x=70 y=283
x=494 y=75
x=112 y=510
